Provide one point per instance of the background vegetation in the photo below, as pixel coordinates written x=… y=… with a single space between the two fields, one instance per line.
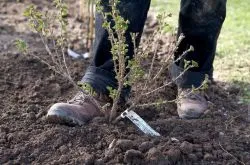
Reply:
x=232 y=62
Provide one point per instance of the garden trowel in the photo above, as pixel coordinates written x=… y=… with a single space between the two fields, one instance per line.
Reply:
x=140 y=123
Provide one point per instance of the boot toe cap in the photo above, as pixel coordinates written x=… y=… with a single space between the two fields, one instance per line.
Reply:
x=191 y=111
x=57 y=109
x=61 y=113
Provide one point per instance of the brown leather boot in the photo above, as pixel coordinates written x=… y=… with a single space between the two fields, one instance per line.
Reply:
x=191 y=105
x=77 y=111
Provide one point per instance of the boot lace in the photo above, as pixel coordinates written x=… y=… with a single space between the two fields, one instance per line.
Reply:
x=79 y=98
x=190 y=94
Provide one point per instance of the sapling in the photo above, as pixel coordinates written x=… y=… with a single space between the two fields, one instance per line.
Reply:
x=51 y=26
x=130 y=71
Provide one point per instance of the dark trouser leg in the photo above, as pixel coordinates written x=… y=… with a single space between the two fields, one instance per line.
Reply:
x=100 y=74
x=200 y=21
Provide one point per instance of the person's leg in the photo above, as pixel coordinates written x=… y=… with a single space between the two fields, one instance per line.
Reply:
x=100 y=73
x=200 y=22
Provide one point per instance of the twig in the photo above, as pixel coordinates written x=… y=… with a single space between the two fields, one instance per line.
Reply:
x=165 y=85
x=5 y=81
x=64 y=61
x=151 y=66
x=156 y=103
x=134 y=105
x=46 y=46
x=180 y=39
x=231 y=155
x=91 y=25
x=57 y=54
x=231 y=121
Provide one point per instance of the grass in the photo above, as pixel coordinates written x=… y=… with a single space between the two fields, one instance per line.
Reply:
x=232 y=61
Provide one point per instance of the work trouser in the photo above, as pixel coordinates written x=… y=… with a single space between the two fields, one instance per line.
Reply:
x=200 y=21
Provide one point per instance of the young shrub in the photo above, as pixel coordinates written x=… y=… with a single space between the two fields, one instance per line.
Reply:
x=52 y=29
x=130 y=71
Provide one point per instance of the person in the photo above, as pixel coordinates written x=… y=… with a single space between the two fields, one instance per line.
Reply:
x=200 y=21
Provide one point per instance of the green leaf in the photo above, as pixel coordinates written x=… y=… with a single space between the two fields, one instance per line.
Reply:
x=21 y=45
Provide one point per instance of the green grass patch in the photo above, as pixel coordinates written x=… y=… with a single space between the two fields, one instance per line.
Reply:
x=168 y=6
x=232 y=62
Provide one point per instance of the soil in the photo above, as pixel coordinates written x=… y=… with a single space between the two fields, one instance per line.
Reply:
x=28 y=88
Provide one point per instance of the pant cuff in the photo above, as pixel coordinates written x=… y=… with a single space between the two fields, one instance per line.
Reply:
x=99 y=79
x=188 y=79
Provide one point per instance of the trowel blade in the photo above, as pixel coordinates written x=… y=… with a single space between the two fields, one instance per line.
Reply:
x=140 y=123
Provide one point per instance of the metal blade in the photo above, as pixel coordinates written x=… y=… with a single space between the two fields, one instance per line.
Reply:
x=140 y=123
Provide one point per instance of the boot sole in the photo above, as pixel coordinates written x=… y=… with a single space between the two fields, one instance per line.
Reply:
x=63 y=120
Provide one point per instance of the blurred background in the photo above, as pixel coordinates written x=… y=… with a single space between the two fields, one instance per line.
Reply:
x=232 y=62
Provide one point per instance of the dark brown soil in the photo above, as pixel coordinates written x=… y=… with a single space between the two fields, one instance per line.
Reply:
x=28 y=88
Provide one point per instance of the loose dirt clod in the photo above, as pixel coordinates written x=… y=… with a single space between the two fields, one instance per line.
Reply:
x=133 y=157
x=124 y=144
x=207 y=147
x=174 y=154
x=154 y=154
x=192 y=157
x=186 y=147
x=208 y=157
x=145 y=146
